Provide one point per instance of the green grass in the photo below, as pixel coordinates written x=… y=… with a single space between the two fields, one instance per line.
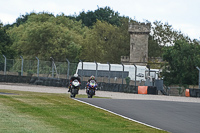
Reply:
x=31 y=112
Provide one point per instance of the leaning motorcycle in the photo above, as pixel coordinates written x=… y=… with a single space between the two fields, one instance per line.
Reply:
x=91 y=88
x=74 y=88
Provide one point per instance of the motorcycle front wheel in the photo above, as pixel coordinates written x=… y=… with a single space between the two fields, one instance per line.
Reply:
x=90 y=96
x=72 y=95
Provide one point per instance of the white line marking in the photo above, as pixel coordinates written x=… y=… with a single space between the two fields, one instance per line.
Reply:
x=118 y=114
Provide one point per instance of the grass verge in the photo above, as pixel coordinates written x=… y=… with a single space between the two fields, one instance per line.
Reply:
x=31 y=112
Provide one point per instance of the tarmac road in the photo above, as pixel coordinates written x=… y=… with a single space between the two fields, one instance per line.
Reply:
x=175 y=117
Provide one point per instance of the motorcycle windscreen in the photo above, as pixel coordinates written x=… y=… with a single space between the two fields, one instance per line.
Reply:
x=92 y=83
x=75 y=83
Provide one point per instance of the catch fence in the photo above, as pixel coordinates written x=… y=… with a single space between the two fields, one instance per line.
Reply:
x=60 y=70
x=36 y=68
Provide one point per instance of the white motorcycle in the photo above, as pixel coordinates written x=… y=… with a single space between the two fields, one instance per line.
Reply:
x=75 y=88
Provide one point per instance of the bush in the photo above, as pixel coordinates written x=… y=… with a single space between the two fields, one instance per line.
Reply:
x=128 y=79
x=30 y=72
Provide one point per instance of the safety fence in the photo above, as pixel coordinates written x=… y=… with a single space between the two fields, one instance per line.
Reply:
x=54 y=69
x=37 y=68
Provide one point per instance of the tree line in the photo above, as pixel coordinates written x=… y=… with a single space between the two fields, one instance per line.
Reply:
x=100 y=35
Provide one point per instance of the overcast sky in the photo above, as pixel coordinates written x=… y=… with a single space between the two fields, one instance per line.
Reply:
x=183 y=15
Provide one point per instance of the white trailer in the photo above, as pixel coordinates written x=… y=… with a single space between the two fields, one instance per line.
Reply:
x=116 y=70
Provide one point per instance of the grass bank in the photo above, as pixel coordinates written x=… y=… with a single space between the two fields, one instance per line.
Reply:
x=31 y=112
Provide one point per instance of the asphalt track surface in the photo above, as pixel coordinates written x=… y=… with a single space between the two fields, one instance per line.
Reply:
x=175 y=117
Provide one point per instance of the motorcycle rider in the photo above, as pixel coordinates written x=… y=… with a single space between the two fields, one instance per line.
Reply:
x=91 y=78
x=72 y=79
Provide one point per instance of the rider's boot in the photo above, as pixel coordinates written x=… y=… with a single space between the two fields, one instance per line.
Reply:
x=69 y=89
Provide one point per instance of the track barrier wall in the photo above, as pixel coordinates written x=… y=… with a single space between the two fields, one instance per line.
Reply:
x=46 y=81
x=142 y=89
x=147 y=90
x=114 y=87
x=194 y=92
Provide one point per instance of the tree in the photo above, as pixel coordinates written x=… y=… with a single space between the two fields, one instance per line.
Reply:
x=5 y=47
x=20 y=20
x=123 y=30
x=23 y=18
x=102 y=14
x=104 y=43
x=165 y=35
x=5 y=43
x=154 y=49
x=47 y=36
x=182 y=58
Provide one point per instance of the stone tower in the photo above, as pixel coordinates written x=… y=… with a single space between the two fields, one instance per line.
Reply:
x=139 y=34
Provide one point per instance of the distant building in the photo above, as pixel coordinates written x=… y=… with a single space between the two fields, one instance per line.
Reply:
x=139 y=34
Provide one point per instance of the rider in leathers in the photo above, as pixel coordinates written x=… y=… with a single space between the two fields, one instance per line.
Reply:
x=72 y=79
x=91 y=78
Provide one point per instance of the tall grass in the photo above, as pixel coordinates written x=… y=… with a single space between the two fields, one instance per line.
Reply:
x=31 y=112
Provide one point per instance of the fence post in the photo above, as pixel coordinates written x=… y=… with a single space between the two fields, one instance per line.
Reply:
x=68 y=63
x=122 y=73
x=109 y=72
x=22 y=65
x=81 y=70
x=96 y=69
x=199 y=76
x=52 y=67
x=135 y=74
x=4 y=65
x=148 y=69
x=38 y=65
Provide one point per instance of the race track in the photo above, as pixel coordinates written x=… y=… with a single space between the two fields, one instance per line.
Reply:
x=175 y=117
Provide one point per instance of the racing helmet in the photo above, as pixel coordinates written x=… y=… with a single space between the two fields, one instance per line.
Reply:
x=92 y=77
x=75 y=75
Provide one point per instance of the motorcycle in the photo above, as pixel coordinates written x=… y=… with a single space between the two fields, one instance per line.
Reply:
x=74 y=88
x=91 y=88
